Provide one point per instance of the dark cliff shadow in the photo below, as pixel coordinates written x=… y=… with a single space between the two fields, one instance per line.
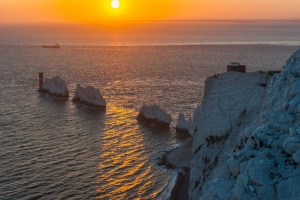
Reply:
x=85 y=111
x=153 y=128
x=44 y=97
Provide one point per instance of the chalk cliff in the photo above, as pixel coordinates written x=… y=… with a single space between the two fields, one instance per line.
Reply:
x=231 y=102
x=246 y=143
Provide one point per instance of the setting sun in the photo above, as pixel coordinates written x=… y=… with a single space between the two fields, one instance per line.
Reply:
x=115 y=4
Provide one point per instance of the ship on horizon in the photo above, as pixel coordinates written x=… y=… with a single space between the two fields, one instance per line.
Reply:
x=51 y=46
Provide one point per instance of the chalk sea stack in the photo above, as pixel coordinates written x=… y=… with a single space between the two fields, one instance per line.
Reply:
x=184 y=126
x=55 y=86
x=89 y=96
x=154 y=114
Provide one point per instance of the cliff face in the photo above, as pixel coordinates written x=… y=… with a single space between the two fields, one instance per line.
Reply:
x=232 y=101
x=266 y=161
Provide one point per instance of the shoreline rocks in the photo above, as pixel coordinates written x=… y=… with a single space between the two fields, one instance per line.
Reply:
x=178 y=157
x=56 y=87
x=154 y=114
x=178 y=160
x=89 y=96
x=180 y=189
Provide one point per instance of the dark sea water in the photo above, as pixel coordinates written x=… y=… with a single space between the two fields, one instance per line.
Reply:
x=55 y=149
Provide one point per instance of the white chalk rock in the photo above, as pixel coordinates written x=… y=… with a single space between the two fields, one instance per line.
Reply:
x=239 y=192
x=297 y=129
x=185 y=126
x=220 y=189
x=89 y=96
x=245 y=179
x=55 y=86
x=289 y=189
x=226 y=173
x=266 y=192
x=296 y=157
x=251 y=188
x=259 y=169
x=293 y=104
x=234 y=166
x=294 y=58
x=296 y=87
x=153 y=113
x=247 y=133
x=291 y=144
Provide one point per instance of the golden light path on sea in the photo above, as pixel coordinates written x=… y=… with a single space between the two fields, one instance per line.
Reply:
x=123 y=162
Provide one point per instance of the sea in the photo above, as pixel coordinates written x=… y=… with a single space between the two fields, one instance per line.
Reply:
x=52 y=148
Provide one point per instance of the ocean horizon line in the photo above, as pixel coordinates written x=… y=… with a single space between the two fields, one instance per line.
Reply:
x=295 y=20
x=272 y=43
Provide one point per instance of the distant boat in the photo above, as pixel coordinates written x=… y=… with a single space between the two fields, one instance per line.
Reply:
x=52 y=46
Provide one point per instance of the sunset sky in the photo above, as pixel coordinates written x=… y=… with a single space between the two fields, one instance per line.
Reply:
x=15 y=11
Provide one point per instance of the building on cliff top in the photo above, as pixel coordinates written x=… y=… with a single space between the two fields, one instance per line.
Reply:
x=236 y=66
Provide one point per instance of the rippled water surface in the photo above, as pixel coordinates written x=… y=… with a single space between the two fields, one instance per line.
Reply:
x=55 y=149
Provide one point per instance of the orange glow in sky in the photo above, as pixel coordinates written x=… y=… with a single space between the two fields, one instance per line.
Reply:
x=118 y=10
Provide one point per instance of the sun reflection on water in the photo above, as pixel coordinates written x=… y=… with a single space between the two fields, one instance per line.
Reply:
x=123 y=164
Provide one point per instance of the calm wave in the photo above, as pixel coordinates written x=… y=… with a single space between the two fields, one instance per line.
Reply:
x=150 y=33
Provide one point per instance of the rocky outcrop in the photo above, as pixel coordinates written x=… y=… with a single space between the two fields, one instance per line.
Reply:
x=179 y=157
x=55 y=86
x=89 y=96
x=154 y=114
x=184 y=126
x=265 y=162
x=232 y=101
